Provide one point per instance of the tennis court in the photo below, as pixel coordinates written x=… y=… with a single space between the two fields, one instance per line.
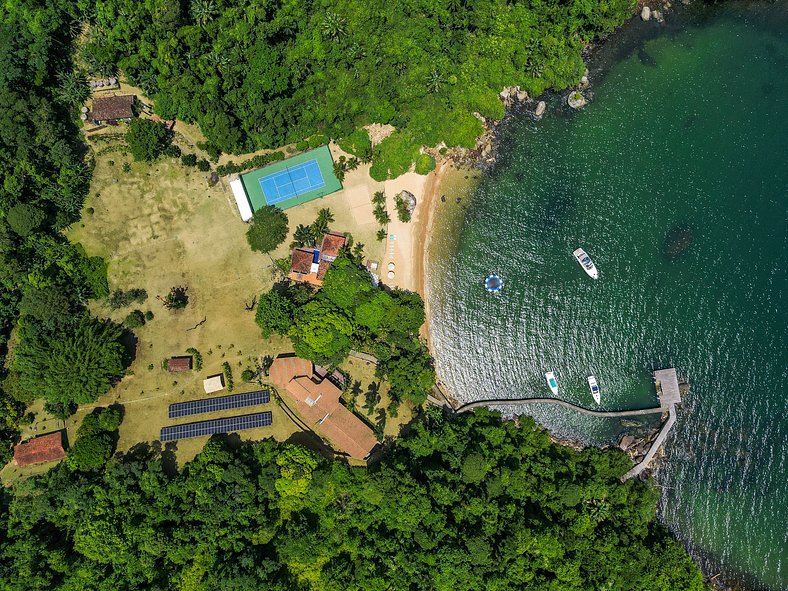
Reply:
x=291 y=182
x=287 y=183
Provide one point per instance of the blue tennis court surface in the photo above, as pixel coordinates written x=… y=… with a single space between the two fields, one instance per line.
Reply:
x=291 y=182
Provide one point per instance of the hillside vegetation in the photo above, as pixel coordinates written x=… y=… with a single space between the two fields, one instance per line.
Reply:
x=259 y=74
x=465 y=503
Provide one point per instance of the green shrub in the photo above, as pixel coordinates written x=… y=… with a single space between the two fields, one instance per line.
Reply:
x=135 y=319
x=197 y=358
x=203 y=165
x=302 y=146
x=172 y=151
x=146 y=139
x=177 y=299
x=148 y=316
x=213 y=151
x=248 y=375
x=318 y=140
x=255 y=162
x=393 y=157
x=425 y=164
x=126 y=167
x=189 y=159
x=358 y=144
x=121 y=299
x=228 y=376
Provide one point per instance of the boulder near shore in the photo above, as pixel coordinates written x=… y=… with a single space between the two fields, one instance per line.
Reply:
x=645 y=14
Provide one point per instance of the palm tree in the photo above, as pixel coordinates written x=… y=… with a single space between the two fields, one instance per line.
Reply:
x=434 y=81
x=325 y=215
x=358 y=250
x=203 y=11
x=74 y=89
x=303 y=236
x=333 y=26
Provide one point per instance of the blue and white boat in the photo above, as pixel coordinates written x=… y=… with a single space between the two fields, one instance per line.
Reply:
x=551 y=383
x=594 y=387
x=586 y=262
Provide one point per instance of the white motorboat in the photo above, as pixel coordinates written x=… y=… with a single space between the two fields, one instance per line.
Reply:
x=594 y=387
x=586 y=262
x=552 y=384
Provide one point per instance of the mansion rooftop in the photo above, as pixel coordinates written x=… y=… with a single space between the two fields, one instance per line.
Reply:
x=309 y=265
x=316 y=399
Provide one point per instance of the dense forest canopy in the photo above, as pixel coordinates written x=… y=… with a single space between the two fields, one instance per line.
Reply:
x=261 y=73
x=461 y=503
x=45 y=281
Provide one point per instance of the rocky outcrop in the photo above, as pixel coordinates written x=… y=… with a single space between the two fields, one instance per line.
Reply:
x=511 y=95
x=576 y=100
x=541 y=106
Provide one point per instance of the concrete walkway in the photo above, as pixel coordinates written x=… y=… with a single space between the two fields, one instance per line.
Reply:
x=654 y=446
x=569 y=405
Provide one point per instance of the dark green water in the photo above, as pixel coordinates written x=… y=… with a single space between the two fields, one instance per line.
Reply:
x=687 y=131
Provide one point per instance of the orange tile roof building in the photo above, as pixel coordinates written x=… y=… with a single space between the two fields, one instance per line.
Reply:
x=317 y=401
x=176 y=364
x=309 y=265
x=46 y=448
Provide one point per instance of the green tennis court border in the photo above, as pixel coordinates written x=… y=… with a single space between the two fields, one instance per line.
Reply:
x=251 y=180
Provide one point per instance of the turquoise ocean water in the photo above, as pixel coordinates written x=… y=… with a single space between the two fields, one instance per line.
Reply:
x=675 y=180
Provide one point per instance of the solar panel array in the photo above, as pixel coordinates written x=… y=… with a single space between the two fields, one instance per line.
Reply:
x=196 y=407
x=228 y=425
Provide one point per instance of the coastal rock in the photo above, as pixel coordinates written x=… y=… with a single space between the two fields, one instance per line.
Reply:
x=576 y=100
x=540 y=108
x=522 y=96
x=645 y=14
x=658 y=16
x=504 y=94
x=584 y=81
x=628 y=423
x=625 y=442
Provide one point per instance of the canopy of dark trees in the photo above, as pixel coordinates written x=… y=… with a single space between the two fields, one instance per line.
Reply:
x=460 y=504
x=258 y=73
x=45 y=281
x=349 y=312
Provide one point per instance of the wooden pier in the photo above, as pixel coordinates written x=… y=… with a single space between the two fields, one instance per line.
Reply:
x=668 y=393
x=667 y=385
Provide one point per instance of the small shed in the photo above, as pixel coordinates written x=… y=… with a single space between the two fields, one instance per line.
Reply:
x=112 y=108
x=213 y=383
x=183 y=363
x=46 y=448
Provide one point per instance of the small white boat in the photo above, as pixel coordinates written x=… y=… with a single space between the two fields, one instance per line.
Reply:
x=594 y=387
x=586 y=262
x=553 y=385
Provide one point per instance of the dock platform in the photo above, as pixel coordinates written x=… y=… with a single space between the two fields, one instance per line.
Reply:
x=667 y=385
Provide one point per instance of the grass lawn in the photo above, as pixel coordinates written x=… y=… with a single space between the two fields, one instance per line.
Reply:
x=160 y=225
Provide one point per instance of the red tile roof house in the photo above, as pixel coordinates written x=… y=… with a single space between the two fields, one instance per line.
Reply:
x=309 y=265
x=46 y=448
x=179 y=363
x=108 y=109
x=317 y=401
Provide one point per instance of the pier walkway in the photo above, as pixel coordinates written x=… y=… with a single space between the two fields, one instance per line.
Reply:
x=564 y=403
x=669 y=395
x=667 y=385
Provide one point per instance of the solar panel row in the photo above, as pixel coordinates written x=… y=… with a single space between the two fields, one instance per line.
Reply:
x=227 y=425
x=196 y=407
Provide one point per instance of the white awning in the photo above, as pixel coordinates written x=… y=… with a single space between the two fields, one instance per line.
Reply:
x=241 y=200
